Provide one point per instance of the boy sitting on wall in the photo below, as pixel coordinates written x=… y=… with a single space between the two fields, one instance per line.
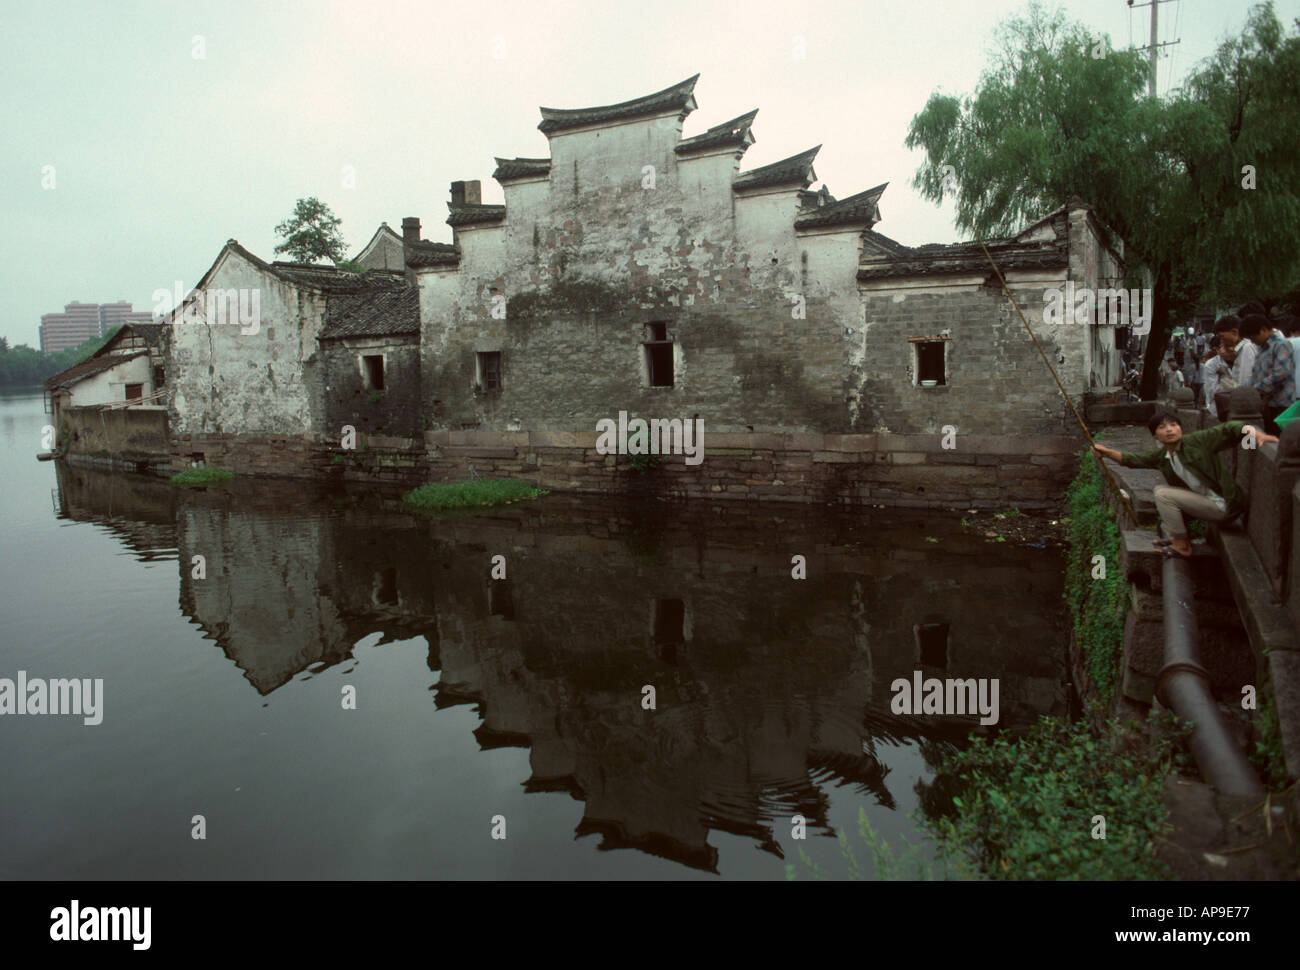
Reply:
x=1199 y=484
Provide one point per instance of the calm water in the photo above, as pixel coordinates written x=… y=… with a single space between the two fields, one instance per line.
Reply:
x=477 y=697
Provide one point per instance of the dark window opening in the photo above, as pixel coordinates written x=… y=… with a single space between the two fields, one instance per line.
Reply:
x=489 y=370
x=374 y=372
x=134 y=392
x=932 y=639
x=670 y=621
x=501 y=601
x=159 y=375
x=930 y=362
x=384 y=588
x=659 y=355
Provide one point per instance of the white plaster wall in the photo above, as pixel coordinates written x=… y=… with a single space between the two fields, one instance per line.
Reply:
x=224 y=380
x=109 y=387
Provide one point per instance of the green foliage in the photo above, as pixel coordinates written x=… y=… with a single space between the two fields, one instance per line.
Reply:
x=643 y=463
x=1097 y=606
x=25 y=365
x=353 y=267
x=376 y=396
x=1266 y=753
x=471 y=494
x=1050 y=120
x=202 y=476
x=1022 y=808
x=336 y=460
x=311 y=233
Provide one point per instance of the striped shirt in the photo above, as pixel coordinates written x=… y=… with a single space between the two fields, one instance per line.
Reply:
x=1274 y=373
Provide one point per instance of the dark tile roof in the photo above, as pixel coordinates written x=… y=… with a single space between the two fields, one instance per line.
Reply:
x=316 y=275
x=795 y=170
x=518 y=168
x=473 y=215
x=384 y=312
x=861 y=209
x=963 y=257
x=733 y=133
x=680 y=96
x=89 y=368
x=334 y=280
x=425 y=253
x=891 y=246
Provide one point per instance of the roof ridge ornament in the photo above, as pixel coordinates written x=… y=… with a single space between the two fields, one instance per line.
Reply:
x=679 y=96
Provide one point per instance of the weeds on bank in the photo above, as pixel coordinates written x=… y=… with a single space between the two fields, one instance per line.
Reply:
x=202 y=476
x=471 y=494
x=1097 y=606
x=1067 y=800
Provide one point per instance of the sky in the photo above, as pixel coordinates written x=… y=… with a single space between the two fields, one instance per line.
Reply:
x=140 y=136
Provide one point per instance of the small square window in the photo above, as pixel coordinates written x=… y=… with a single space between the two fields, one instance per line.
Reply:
x=134 y=392
x=374 y=366
x=931 y=362
x=489 y=370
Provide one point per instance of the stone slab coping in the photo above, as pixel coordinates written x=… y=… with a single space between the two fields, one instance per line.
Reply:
x=1010 y=444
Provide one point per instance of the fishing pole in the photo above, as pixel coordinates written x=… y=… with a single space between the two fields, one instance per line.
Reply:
x=1123 y=496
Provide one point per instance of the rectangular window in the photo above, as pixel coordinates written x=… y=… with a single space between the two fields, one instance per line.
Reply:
x=658 y=352
x=930 y=361
x=374 y=372
x=134 y=392
x=159 y=376
x=489 y=370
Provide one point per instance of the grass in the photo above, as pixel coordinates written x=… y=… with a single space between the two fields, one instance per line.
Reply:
x=1026 y=808
x=1097 y=606
x=202 y=476
x=471 y=494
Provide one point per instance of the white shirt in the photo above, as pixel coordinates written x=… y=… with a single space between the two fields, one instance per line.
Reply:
x=1194 y=483
x=1295 y=346
x=1213 y=369
x=1245 y=362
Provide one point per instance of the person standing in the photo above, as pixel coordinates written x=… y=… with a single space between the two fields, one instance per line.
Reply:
x=1274 y=372
x=1229 y=333
x=1216 y=365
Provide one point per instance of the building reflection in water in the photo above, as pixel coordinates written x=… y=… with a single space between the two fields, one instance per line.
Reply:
x=769 y=690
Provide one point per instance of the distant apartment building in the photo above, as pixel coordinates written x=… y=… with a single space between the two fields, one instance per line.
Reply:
x=80 y=322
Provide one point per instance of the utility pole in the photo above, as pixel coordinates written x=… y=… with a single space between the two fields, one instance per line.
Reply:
x=1153 y=47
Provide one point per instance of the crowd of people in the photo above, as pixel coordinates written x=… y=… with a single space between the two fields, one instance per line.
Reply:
x=1249 y=348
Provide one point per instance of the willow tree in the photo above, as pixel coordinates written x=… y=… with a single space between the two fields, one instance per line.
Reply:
x=1203 y=186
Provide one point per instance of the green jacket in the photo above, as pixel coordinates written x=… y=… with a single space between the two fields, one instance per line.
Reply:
x=1199 y=452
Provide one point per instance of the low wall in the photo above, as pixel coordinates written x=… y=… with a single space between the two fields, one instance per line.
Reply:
x=979 y=471
x=124 y=434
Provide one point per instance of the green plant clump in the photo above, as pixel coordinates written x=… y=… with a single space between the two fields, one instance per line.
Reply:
x=1097 y=606
x=202 y=476
x=472 y=494
x=643 y=463
x=1026 y=808
x=1266 y=754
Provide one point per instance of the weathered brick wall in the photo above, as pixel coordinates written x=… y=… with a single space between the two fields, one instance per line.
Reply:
x=396 y=409
x=997 y=382
x=125 y=432
x=982 y=471
x=584 y=266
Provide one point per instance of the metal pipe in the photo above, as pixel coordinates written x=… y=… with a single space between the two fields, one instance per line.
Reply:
x=1184 y=687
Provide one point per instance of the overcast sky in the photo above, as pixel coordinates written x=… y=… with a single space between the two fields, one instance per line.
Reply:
x=159 y=156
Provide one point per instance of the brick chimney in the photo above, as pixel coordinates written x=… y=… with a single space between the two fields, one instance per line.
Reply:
x=411 y=229
x=467 y=193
